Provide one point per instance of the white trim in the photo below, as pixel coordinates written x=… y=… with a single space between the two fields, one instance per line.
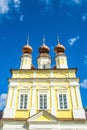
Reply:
x=9 y=98
x=14 y=98
x=53 y=110
x=27 y=93
x=79 y=114
x=13 y=84
x=33 y=101
x=67 y=98
x=79 y=101
x=74 y=83
x=74 y=105
x=43 y=93
x=9 y=113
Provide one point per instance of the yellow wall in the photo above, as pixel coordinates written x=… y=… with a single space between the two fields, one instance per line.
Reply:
x=59 y=86
x=22 y=114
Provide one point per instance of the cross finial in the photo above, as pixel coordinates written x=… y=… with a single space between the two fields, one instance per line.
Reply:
x=58 y=40
x=28 y=40
x=43 y=40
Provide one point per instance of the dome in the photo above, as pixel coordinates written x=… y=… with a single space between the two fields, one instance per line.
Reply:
x=44 y=49
x=59 y=48
x=27 y=48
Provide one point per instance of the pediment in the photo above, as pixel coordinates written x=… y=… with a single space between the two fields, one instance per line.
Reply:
x=43 y=116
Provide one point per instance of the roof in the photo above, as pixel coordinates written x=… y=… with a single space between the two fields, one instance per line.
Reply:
x=1 y=113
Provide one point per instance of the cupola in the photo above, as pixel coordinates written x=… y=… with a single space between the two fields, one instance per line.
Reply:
x=44 y=59
x=26 y=59
x=44 y=49
x=61 y=59
x=27 y=48
x=59 y=48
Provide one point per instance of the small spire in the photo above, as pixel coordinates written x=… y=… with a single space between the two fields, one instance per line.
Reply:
x=43 y=40
x=28 y=41
x=58 y=40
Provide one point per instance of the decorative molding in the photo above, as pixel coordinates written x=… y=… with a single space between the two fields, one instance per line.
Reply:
x=9 y=113
x=79 y=114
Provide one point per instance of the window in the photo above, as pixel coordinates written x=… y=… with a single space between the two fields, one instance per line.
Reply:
x=23 y=101
x=44 y=66
x=63 y=101
x=43 y=101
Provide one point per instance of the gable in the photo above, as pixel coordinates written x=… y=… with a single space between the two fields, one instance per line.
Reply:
x=43 y=116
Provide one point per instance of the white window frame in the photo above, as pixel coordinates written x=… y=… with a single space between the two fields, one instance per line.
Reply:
x=67 y=100
x=43 y=102
x=23 y=102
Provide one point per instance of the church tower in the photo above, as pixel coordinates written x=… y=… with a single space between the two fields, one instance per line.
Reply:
x=44 y=59
x=61 y=59
x=26 y=58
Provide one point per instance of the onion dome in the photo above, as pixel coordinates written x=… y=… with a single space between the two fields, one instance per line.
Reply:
x=59 y=48
x=27 y=48
x=44 y=48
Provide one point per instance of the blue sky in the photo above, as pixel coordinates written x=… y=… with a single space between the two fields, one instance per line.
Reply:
x=20 y=18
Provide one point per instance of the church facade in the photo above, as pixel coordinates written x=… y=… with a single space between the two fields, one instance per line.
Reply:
x=45 y=98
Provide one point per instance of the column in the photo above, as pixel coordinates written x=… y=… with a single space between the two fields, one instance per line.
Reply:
x=78 y=97
x=53 y=110
x=78 y=112
x=73 y=98
x=14 y=98
x=33 y=109
x=9 y=98
x=9 y=111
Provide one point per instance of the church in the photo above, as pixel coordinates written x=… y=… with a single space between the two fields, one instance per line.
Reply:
x=44 y=98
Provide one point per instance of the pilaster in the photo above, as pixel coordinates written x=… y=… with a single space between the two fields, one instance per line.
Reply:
x=9 y=111
x=33 y=108
x=14 y=98
x=9 y=98
x=79 y=101
x=78 y=111
x=53 y=110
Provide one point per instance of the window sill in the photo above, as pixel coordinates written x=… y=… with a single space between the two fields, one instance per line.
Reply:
x=43 y=109
x=22 y=109
x=63 y=110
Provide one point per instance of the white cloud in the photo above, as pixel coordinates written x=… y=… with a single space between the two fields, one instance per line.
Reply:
x=84 y=83
x=7 y=5
x=85 y=60
x=4 y=6
x=71 y=41
x=77 y=1
x=84 y=17
x=46 y=2
x=68 y=2
x=2 y=100
x=21 y=17
x=71 y=2
x=16 y=3
x=49 y=4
